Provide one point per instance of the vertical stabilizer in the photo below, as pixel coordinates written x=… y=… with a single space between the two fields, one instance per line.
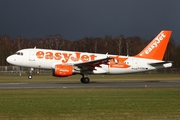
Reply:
x=157 y=47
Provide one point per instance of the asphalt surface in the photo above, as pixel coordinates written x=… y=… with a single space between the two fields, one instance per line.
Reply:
x=65 y=85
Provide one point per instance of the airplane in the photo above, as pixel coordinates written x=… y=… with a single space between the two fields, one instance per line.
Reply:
x=67 y=63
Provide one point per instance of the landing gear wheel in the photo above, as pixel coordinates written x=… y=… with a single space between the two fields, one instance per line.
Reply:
x=30 y=76
x=85 y=80
x=30 y=73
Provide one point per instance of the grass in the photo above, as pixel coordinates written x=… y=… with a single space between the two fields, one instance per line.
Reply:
x=87 y=104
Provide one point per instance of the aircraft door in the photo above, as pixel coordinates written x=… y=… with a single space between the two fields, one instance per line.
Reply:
x=32 y=55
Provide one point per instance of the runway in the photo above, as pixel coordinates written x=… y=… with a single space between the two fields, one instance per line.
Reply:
x=66 y=85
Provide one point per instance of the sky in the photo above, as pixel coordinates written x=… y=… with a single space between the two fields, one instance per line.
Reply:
x=77 y=19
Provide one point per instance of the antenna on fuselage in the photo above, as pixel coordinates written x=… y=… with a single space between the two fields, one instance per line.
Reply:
x=107 y=53
x=35 y=47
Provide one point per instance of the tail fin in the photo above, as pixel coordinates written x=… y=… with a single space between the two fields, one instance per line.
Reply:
x=157 y=47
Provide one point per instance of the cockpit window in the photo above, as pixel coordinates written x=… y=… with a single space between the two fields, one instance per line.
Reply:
x=19 y=53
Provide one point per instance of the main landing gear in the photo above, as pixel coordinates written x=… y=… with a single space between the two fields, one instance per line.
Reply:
x=30 y=73
x=85 y=79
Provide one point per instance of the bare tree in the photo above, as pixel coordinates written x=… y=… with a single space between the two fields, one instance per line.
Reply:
x=119 y=41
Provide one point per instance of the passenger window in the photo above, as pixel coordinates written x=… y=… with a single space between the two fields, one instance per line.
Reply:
x=18 y=53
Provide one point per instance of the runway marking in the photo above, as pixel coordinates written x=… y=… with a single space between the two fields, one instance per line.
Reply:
x=12 y=83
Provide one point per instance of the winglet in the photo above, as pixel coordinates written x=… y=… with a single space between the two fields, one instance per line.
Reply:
x=157 y=47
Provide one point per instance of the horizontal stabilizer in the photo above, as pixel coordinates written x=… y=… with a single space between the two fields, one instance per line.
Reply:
x=159 y=63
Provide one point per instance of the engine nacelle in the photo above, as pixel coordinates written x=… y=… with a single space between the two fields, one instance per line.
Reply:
x=62 y=70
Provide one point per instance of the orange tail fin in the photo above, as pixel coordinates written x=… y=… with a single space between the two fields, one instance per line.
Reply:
x=157 y=47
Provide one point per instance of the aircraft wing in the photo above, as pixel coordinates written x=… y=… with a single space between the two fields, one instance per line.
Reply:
x=90 y=65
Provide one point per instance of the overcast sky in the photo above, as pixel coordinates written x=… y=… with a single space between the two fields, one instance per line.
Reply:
x=76 y=19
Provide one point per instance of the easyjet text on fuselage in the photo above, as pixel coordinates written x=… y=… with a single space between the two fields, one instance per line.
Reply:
x=65 y=57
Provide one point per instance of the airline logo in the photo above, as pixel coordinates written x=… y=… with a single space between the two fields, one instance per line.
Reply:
x=156 y=42
x=65 y=57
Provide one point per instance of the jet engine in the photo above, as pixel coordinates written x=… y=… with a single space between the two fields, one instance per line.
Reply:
x=62 y=70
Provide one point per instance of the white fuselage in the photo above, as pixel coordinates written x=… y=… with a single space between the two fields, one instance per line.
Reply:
x=47 y=59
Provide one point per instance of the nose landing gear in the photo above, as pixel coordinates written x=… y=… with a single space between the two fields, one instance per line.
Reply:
x=30 y=73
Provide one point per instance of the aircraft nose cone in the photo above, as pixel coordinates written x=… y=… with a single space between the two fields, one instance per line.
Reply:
x=9 y=59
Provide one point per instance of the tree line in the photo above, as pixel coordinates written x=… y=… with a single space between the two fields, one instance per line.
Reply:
x=119 y=45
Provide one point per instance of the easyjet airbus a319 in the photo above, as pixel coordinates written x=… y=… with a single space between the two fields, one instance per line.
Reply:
x=67 y=63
